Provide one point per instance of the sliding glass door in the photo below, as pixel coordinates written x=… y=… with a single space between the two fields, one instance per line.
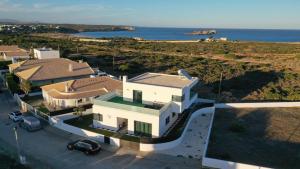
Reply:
x=142 y=129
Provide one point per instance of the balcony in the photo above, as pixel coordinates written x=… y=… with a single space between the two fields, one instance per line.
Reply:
x=116 y=101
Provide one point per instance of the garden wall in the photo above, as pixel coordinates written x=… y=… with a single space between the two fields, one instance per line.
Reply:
x=58 y=123
x=256 y=105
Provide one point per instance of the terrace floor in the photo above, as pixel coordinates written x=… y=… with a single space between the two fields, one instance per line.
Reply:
x=120 y=100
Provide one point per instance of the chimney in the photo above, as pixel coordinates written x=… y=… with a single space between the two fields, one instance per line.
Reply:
x=70 y=67
x=66 y=88
x=124 y=79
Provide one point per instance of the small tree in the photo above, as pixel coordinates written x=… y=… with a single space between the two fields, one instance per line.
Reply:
x=124 y=67
x=25 y=86
x=79 y=112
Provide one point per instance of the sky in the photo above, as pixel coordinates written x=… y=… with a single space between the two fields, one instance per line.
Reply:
x=262 y=14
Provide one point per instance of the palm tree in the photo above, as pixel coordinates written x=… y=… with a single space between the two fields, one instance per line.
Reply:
x=25 y=86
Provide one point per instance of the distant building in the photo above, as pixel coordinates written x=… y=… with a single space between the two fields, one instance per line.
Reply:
x=46 y=53
x=48 y=71
x=224 y=39
x=74 y=93
x=13 y=52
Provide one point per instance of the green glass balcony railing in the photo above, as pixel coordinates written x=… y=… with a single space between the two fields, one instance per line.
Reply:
x=115 y=101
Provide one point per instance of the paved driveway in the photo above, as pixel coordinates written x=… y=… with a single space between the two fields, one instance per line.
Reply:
x=194 y=140
x=46 y=149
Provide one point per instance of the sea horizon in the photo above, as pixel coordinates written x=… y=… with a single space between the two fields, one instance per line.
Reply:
x=235 y=34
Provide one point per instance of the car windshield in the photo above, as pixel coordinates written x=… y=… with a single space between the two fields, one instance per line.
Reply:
x=92 y=143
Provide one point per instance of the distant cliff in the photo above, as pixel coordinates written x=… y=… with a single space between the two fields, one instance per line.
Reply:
x=96 y=28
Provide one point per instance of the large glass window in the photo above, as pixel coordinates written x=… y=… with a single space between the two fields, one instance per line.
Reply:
x=142 y=129
x=177 y=98
x=97 y=117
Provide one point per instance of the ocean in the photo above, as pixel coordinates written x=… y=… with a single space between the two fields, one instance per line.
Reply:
x=264 y=35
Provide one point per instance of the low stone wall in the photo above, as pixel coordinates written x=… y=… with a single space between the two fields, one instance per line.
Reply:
x=172 y=144
x=256 y=105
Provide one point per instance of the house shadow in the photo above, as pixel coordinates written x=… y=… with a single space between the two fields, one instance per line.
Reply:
x=265 y=137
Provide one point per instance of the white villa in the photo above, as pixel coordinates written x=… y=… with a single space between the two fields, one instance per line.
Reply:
x=149 y=105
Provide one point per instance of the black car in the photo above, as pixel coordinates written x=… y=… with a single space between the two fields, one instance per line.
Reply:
x=86 y=146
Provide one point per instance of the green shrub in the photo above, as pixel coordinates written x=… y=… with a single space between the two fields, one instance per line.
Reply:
x=12 y=84
x=4 y=64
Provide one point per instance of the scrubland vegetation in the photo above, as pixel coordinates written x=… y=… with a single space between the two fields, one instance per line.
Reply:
x=251 y=70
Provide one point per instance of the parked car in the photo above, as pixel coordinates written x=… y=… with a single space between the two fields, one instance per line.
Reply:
x=86 y=146
x=30 y=123
x=15 y=116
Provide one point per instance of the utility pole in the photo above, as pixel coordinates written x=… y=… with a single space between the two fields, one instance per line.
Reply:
x=220 y=86
x=21 y=158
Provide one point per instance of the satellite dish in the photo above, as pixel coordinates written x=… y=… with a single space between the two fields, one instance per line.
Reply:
x=184 y=73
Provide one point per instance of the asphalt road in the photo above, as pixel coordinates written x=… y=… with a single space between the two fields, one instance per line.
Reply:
x=46 y=149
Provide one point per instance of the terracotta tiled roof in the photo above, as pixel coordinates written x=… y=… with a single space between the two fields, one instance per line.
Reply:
x=27 y=74
x=50 y=69
x=6 y=48
x=83 y=88
x=16 y=53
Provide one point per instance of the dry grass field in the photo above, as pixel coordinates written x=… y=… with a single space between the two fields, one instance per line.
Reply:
x=267 y=137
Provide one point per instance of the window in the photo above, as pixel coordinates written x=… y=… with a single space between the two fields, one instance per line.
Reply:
x=97 y=117
x=167 y=120
x=177 y=98
x=80 y=101
x=173 y=114
x=142 y=129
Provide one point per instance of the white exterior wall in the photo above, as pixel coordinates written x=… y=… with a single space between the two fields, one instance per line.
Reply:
x=47 y=54
x=172 y=144
x=163 y=127
x=110 y=116
x=64 y=103
x=17 y=57
x=160 y=94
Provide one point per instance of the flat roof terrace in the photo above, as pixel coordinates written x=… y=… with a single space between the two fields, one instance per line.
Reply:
x=166 y=80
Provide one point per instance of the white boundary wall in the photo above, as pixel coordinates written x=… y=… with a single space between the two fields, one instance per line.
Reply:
x=210 y=162
x=172 y=144
x=256 y=105
x=215 y=163
x=56 y=122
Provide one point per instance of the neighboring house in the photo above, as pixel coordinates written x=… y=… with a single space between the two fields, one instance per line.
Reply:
x=10 y=52
x=46 y=53
x=149 y=105
x=74 y=93
x=48 y=71
x=16 y=55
